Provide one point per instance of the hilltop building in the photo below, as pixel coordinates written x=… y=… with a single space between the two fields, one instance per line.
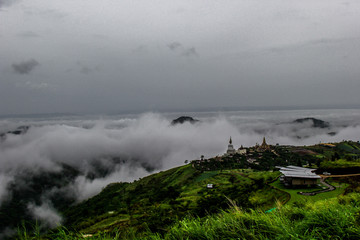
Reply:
x=230 y=150
x=242 y=151
x=245 y=151
x=298 y=176
x=264 y=146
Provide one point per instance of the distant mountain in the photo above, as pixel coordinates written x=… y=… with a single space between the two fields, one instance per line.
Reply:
x=184 y=119
x=18 y=131
x=316 y=123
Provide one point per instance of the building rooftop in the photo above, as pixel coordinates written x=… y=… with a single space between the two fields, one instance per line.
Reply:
x=298 y=172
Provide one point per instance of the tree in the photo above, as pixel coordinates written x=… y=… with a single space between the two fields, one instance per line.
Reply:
x=335 y=156
x=232 y=179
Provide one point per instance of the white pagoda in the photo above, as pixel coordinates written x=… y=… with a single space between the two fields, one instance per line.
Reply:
x=230 y=150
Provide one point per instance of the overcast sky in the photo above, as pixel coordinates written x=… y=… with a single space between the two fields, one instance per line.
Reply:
x=91 y=56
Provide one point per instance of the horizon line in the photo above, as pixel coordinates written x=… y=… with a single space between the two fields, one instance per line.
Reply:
x=183 y=110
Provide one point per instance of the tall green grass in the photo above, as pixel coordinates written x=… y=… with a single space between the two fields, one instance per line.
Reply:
x=336 y=218
x=327 y=219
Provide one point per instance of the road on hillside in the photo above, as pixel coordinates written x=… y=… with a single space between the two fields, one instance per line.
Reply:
x=335 y=176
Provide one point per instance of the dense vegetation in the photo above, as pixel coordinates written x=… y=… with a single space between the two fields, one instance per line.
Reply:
x=336 y=218
x=159 y=200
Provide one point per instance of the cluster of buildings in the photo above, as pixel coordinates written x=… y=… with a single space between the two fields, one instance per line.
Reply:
x=243 y=151
x=292 y=176
x=252 y=155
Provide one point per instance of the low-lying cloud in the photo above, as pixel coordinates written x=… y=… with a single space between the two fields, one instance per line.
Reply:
x=86 y=155
x=4 y=181
x=46 y=214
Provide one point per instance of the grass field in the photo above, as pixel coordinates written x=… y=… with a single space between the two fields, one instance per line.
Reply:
x=206 y=175
x=346 y=147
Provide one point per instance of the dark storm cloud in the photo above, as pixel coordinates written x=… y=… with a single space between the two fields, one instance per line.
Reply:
x=311 y=43
x=174 y=46
x=140 y=49
x=5 y=3
x=28 y=34
x=49 y=14
x=190 y=52
x=86 y=69
x=262 y=54
x=184 y=51
x=25 y=67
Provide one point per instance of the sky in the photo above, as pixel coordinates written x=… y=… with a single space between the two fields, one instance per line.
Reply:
x=87 y=56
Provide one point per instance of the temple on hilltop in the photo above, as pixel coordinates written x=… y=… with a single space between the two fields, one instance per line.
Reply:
x=230 y=150
x=242 y=150
x=264 y=146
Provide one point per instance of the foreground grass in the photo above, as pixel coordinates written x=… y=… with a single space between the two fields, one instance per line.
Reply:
x=327 y=219
x=336 y=218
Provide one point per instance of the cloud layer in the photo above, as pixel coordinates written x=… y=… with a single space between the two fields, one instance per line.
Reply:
x=46 y=214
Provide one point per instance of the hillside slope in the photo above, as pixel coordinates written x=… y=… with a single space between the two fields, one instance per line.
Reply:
x=156 y=201
x=335 y=218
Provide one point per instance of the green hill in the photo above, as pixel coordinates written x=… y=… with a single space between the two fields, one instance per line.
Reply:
x=335 y=218
x=157 y=201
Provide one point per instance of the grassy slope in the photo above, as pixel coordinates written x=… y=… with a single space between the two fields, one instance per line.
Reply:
x=161 y=199
x=340 y=163
x=335 y=218
x=117 y=204
x=326 y=219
